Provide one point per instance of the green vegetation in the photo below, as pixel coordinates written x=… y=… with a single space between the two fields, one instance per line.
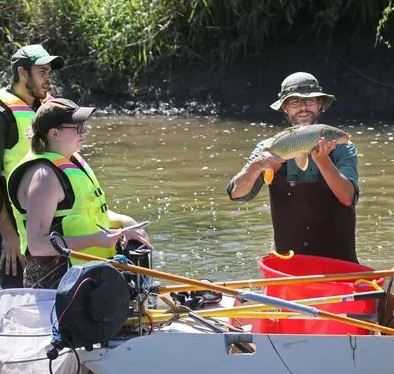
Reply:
x=105 y=40
x=385 y=31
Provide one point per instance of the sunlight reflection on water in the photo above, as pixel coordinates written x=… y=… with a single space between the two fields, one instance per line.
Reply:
x=173 y=172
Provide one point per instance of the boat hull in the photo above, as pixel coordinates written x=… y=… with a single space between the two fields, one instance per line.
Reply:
x=177 y=352
x=181 y=348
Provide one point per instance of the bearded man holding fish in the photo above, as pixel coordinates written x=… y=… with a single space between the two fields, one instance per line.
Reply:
x=311 y=173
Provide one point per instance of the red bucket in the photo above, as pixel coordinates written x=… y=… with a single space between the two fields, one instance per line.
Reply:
x=273 y=266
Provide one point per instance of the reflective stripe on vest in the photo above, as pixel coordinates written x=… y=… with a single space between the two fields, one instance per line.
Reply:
x=89 y=207
x=24 y=116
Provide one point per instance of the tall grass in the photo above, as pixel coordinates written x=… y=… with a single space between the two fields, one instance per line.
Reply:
x=111 y=39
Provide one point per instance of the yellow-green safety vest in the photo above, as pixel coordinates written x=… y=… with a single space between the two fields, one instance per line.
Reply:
x=88 y=205
x=24 y=116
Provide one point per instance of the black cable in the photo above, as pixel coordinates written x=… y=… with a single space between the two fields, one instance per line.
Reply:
x=59 y=342
x=50 y=367
x=76 y=357
x=78 y=360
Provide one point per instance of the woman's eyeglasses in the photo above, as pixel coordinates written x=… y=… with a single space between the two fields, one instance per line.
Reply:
x=80 y=127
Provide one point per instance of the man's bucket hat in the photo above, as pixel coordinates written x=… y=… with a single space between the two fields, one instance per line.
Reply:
x=301 y=84
x=35 y=54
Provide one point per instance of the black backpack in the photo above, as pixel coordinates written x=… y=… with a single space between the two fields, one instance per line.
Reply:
x=92 y=303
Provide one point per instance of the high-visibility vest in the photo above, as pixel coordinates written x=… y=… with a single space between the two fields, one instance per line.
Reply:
x=83 y=208
x=24 y=116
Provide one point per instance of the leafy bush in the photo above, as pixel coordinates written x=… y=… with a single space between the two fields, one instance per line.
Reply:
x=106 y=41
x=13 y=20
x=385 y=31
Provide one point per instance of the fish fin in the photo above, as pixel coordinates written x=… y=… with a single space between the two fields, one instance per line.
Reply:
x=268 y=176
x=302 y=161
x=268 y=143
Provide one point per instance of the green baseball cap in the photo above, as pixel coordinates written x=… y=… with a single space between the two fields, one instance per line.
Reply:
x=35 y=54
x=304 y=85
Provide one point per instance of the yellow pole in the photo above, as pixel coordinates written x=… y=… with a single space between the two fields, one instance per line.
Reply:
x=263 y=282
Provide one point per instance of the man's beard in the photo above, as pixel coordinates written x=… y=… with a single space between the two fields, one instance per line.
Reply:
x=310 y=119
x=34 y=91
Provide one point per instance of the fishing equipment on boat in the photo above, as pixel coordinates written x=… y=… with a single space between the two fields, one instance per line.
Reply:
x=136 y=252
x=139 y=254
x=197 y=299
x=93 y=300
x=183 y=348
x=252 y=296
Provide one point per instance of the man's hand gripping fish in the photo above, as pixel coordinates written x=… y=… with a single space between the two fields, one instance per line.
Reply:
x=298 y=142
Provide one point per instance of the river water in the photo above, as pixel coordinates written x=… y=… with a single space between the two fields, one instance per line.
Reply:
x=173 y=172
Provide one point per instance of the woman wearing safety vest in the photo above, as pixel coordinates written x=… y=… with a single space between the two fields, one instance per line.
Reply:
x=54 y=189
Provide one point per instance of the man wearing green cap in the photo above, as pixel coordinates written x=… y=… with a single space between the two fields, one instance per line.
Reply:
x=313 y=211
x=30 y=84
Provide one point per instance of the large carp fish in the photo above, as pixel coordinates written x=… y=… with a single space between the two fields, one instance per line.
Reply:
x=297 y=143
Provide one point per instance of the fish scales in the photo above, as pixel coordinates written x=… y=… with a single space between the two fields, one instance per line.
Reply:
x=296 y=143
x=298 y=140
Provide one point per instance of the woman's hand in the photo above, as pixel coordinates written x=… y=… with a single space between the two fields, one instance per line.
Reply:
x=109 y=237
x=139 y=235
